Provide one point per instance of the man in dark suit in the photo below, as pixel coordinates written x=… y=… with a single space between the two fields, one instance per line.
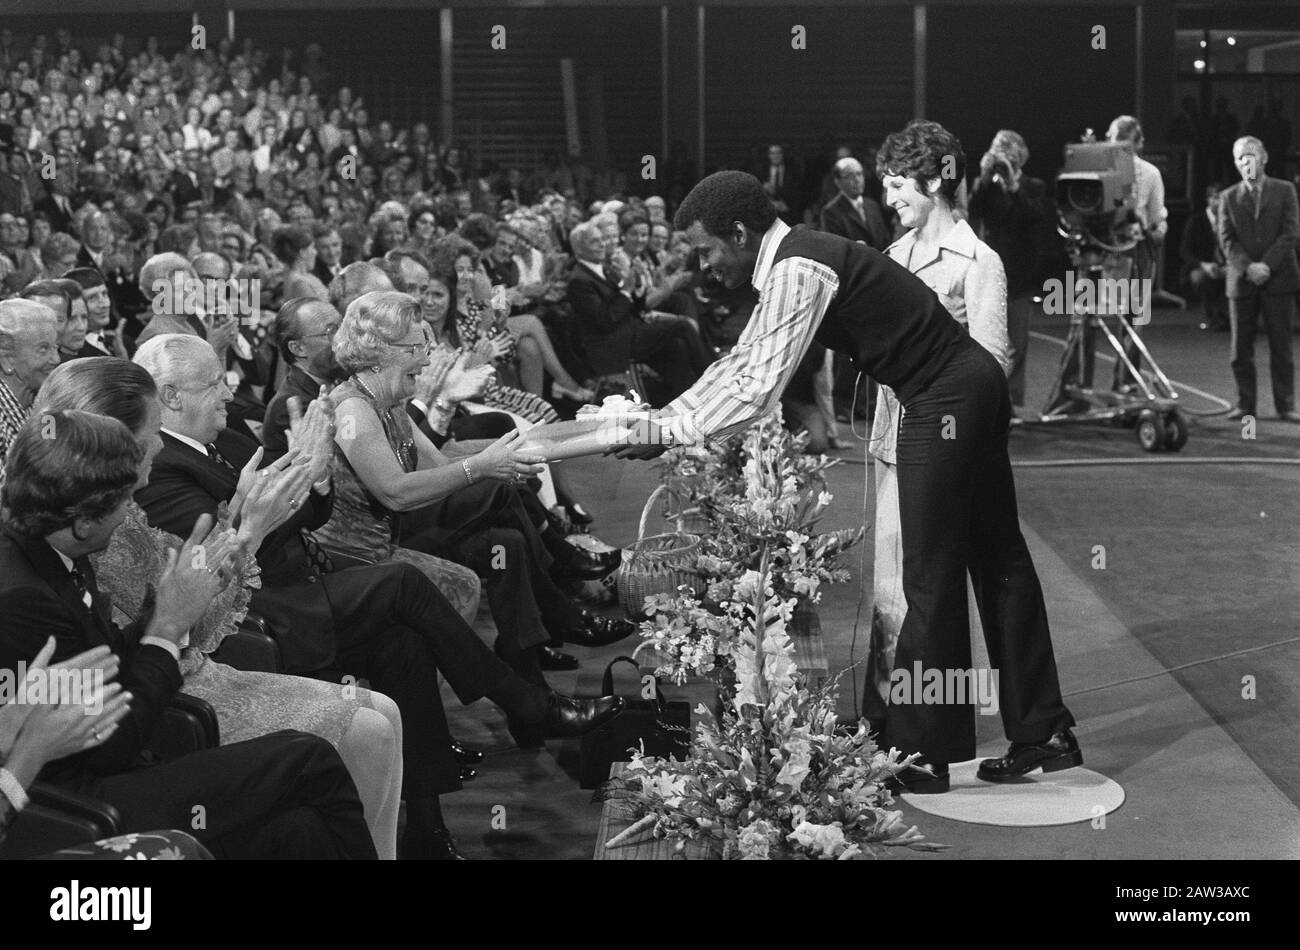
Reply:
x=99 y=312
x=57 y=201
x=781 y=182
x=384 y=622
x=1258 y=227
x=285 y=795
x=329 y=253
x=612 y=329
x=850 y=213
x=1202 y=262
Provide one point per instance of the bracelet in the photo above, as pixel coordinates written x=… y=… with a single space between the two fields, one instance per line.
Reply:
x=469 y=476
x=13 y=790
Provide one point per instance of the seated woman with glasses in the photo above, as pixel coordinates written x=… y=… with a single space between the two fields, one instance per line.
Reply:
x=476 y=511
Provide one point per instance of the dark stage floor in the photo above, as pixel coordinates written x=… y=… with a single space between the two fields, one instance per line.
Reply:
x=1197 y=603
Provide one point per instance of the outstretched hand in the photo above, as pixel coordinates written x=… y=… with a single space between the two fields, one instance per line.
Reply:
x=647 y=439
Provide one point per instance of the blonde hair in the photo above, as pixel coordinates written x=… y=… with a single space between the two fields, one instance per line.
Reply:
x=373 y=322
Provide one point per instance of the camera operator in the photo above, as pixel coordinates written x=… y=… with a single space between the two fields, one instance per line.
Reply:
x=1015 y=215
x=1149 y=205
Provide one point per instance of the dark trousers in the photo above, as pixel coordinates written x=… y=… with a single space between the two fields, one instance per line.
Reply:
x=1021 y=310
x=673 y=348
x=280 y=796
x=492 y=528
x=957 y=506
x=1245 y=313
x=399 y=638
x=1210 y=292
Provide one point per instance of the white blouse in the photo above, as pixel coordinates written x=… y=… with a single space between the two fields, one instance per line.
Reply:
x=968 y=277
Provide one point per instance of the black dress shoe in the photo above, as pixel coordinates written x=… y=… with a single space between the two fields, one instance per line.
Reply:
x=599 y=631
x=549 y=658
x=439 y=846
x=578 y=515
x=567 y=717
x=467 y=772
x=917 y=781
x=1061 y=751
x=466 y=756
x=585 y=565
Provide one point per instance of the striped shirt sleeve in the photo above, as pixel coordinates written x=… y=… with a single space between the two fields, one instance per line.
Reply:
x=748 y=382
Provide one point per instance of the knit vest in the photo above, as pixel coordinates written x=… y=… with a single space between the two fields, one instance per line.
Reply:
x=883 y=316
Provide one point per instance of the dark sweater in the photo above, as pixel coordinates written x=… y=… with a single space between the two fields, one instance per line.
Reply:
x=883 y=316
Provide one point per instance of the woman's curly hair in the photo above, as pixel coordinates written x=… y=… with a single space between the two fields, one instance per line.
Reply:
x=373 y=322
x=924 y=151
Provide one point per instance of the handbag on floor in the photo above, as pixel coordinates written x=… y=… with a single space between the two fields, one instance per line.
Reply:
x=660 y=727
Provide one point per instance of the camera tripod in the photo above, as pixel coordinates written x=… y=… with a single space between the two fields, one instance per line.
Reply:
x=1149 y=405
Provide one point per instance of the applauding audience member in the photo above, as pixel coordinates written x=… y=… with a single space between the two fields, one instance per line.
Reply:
x=283 y=795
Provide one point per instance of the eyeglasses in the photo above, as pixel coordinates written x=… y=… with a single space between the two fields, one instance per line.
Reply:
x=414 y=349
x=329 y=331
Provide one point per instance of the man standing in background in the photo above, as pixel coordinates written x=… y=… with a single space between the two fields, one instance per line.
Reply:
x=1014 y=214
x=1258 y=226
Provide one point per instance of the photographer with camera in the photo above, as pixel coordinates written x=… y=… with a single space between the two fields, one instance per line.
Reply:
x=1014 y=214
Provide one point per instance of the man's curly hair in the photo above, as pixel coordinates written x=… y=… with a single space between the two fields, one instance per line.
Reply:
x=924 y=151
x=65 y=464
x=725 y=197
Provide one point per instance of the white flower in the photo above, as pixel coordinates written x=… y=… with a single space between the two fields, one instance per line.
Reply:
x=823 y=840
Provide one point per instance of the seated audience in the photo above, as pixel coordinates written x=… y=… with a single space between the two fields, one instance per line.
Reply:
x=285 y=795
x=385 y=622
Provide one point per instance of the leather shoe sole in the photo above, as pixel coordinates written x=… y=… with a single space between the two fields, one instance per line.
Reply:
x=1058 y=753
x=599 y=631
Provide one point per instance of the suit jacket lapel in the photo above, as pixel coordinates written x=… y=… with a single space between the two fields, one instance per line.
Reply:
x=98 y=627
x=213 y=477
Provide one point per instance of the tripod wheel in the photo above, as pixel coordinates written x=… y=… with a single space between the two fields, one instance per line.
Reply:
x=1175 y=431
x=1150 y=432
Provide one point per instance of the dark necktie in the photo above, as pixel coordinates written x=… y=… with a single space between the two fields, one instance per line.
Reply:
x=79 y=579
x=219 y=458
x=320 y=561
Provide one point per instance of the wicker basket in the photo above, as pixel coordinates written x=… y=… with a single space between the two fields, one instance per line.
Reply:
x=687 y=520
x=656 y=565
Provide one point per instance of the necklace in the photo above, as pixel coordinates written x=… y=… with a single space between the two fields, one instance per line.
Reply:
x=402 y=445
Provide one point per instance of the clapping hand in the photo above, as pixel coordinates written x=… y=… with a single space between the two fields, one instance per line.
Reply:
x=463 y=382
x=223 y=333
x=272 y=496
x=432 y=380
x=312 y=432
x=32 y=734
x=189 y=581
x=503 y=461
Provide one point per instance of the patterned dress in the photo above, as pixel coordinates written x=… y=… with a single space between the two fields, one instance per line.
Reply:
x=498 y=395
x=247 y=704
x=360 y=527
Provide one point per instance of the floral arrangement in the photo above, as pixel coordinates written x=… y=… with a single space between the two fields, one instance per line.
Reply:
x=775 y=776
x=762 y=497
